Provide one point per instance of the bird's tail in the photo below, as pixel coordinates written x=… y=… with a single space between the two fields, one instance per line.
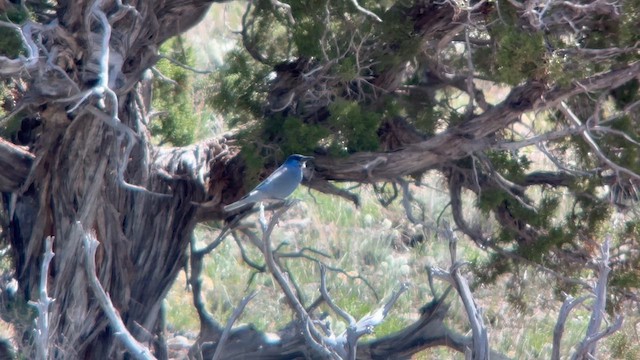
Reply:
x=237 y=205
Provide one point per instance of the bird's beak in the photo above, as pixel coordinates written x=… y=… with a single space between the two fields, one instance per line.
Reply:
x=305 y=159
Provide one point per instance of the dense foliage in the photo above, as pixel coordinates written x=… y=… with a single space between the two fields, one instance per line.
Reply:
x=525 y=112
x=324 y=77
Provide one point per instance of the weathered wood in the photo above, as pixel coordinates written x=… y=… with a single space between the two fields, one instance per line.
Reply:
x=92 y=163
x=15 y=163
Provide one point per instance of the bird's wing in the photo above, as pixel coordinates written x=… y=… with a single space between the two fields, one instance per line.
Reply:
x=278 y=185
x=252 y=197
x=281 y=171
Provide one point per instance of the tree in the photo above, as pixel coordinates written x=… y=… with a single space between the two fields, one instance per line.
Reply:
x=379 y=92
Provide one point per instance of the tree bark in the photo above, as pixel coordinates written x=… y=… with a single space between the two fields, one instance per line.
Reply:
x=92 y=164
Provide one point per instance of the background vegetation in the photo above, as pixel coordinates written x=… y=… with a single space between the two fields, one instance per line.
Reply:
x=515 y=122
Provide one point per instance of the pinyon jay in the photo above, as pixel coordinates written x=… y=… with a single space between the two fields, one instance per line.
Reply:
x=277 y=186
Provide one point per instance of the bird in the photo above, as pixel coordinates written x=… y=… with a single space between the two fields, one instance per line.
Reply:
x=280 y=184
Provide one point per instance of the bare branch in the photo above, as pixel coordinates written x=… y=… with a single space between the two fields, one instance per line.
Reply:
x=42 y=305
x=286 y=8
x=365 y=11
x=558 y=331
x=325 y=294
x=314 y=339
x=548 y=136
x=15 y=66
x=587 y=349
x=592 y=340
x=184 y=66
x=220 y=238
x=136 y=349
x=480 y=337
x=236 y=314
x=593 y=145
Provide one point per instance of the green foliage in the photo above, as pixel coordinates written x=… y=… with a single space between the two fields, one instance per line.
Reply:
x=628 y=34
x=300 y=137
x=520 y=55
x=626 y=94
x=177 y=122
x=623 y=347
x=11 y=44
x=242 y=84
x=305 y=37
x=512 y=165
x=254 y=162
x=355 y=128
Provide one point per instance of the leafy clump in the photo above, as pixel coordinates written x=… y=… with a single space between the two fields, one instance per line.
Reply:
x=176 y=122
x=11 y=44
x=355 y=128
x=520 y=55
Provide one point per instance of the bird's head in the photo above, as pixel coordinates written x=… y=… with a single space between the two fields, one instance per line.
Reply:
x=297 y=159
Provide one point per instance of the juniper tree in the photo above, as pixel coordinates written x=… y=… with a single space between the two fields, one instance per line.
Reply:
x=378 y=91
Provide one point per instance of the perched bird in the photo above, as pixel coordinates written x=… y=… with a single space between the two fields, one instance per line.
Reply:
x=277 y=186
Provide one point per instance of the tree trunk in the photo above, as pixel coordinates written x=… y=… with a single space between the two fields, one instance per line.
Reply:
x=92 y=168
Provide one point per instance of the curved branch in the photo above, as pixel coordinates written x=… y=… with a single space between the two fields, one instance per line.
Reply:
x=469 y=137
x=136 y=349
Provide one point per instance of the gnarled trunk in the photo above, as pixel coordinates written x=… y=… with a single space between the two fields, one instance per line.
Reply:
x=92 y=165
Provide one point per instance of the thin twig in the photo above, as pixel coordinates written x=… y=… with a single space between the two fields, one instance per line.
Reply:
x=593 y=145
x=232 y=319
x=365 y=11
x=184 y=66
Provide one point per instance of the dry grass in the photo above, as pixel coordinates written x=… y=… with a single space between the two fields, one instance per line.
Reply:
x=371 y=242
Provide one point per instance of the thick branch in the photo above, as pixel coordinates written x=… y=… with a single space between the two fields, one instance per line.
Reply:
x=469 y=137
x=15 y=163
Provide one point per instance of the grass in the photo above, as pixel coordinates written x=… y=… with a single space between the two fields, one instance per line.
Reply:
x=371 y=242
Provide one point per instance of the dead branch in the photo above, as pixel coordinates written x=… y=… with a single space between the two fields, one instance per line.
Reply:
x=184 y=66
x=480 y=337
x=587 y=348
x=28 y=63
x=593 y=145
x=42 y=305
x=346 y=343
x=136 y=349
x=232 y=319
x=568 y=305
x=209 y=327
x=314 y=339
x=286 y=8
x=365 y=11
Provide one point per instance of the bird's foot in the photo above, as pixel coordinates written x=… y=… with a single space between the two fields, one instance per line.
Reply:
x=291 y=202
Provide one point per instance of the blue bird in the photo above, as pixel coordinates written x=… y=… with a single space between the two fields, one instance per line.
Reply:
x=277 y=186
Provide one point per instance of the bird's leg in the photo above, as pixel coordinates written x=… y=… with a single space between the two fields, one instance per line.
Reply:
x=263 y=218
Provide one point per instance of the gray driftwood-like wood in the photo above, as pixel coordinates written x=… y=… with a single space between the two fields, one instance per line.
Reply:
x=92 y=163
